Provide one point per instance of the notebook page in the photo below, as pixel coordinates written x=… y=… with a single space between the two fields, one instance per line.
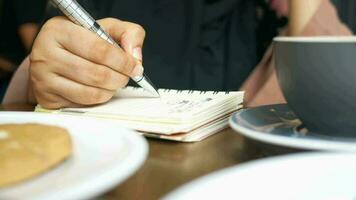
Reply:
x=164 y=128
x=195 y=135
x=173 y=106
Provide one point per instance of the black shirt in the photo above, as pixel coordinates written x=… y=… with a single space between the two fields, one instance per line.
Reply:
x=15 y=13
x=191 y=44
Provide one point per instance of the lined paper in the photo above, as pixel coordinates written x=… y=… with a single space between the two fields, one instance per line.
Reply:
x=194 y=113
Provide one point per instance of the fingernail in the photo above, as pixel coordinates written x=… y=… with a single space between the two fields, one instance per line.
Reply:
x=137 y=71
x=137 y=53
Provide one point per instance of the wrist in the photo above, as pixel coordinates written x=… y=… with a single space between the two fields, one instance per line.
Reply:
x=18 y=89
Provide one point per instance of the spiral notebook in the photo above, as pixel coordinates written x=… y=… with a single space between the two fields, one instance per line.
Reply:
x=181 y=115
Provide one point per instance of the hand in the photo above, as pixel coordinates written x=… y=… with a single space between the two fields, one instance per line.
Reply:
x=71 y=66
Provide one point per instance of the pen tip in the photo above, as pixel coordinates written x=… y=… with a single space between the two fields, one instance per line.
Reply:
x=145 y=83
x=156 y=94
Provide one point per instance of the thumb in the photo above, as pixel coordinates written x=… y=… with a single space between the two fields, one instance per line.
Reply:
x=130 y=36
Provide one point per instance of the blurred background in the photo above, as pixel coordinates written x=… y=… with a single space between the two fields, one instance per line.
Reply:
x=20 y=21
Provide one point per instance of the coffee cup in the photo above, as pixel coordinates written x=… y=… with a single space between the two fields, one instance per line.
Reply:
x=317 y=76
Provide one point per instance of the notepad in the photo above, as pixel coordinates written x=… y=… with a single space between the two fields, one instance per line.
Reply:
x=181 y=115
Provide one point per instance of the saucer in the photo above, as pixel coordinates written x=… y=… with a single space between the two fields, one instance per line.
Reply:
x=278 y=125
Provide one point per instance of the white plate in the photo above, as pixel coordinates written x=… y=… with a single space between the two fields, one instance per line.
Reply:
x=104 y=155
x=278 y=125
x=314 y=176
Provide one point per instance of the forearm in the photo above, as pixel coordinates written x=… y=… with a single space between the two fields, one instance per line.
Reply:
x=300 y=13
x=18 y=90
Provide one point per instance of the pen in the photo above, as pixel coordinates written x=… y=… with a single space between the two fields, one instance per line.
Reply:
x=78 y=15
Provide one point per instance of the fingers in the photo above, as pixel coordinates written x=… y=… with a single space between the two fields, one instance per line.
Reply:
x=87 y=73
x=88 y=45
x=70 y=92
x=71 y=66
x=130 y=36
x=81 y=94
x=52 y=101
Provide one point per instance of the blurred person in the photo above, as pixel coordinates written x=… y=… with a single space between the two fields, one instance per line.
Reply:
x=19 y=21
x=306 y=18
x=203 y=44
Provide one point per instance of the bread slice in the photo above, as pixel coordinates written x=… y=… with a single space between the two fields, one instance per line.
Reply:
x=27 y=150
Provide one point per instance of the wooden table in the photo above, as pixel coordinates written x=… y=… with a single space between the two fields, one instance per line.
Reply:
x=171 y=164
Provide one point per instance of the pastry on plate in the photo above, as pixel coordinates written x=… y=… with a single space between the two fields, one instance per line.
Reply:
x=28 y=150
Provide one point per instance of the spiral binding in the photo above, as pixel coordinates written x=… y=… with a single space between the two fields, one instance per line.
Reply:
x=201 y=92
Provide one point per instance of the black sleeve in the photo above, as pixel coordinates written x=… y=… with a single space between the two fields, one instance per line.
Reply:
x=28 y=11
x=51 y=11
x=268 y=26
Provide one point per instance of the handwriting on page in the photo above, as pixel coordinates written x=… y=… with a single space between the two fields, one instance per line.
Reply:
x=131 y=103
x=180 y=106
x=167 y=105
x=175 y=108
